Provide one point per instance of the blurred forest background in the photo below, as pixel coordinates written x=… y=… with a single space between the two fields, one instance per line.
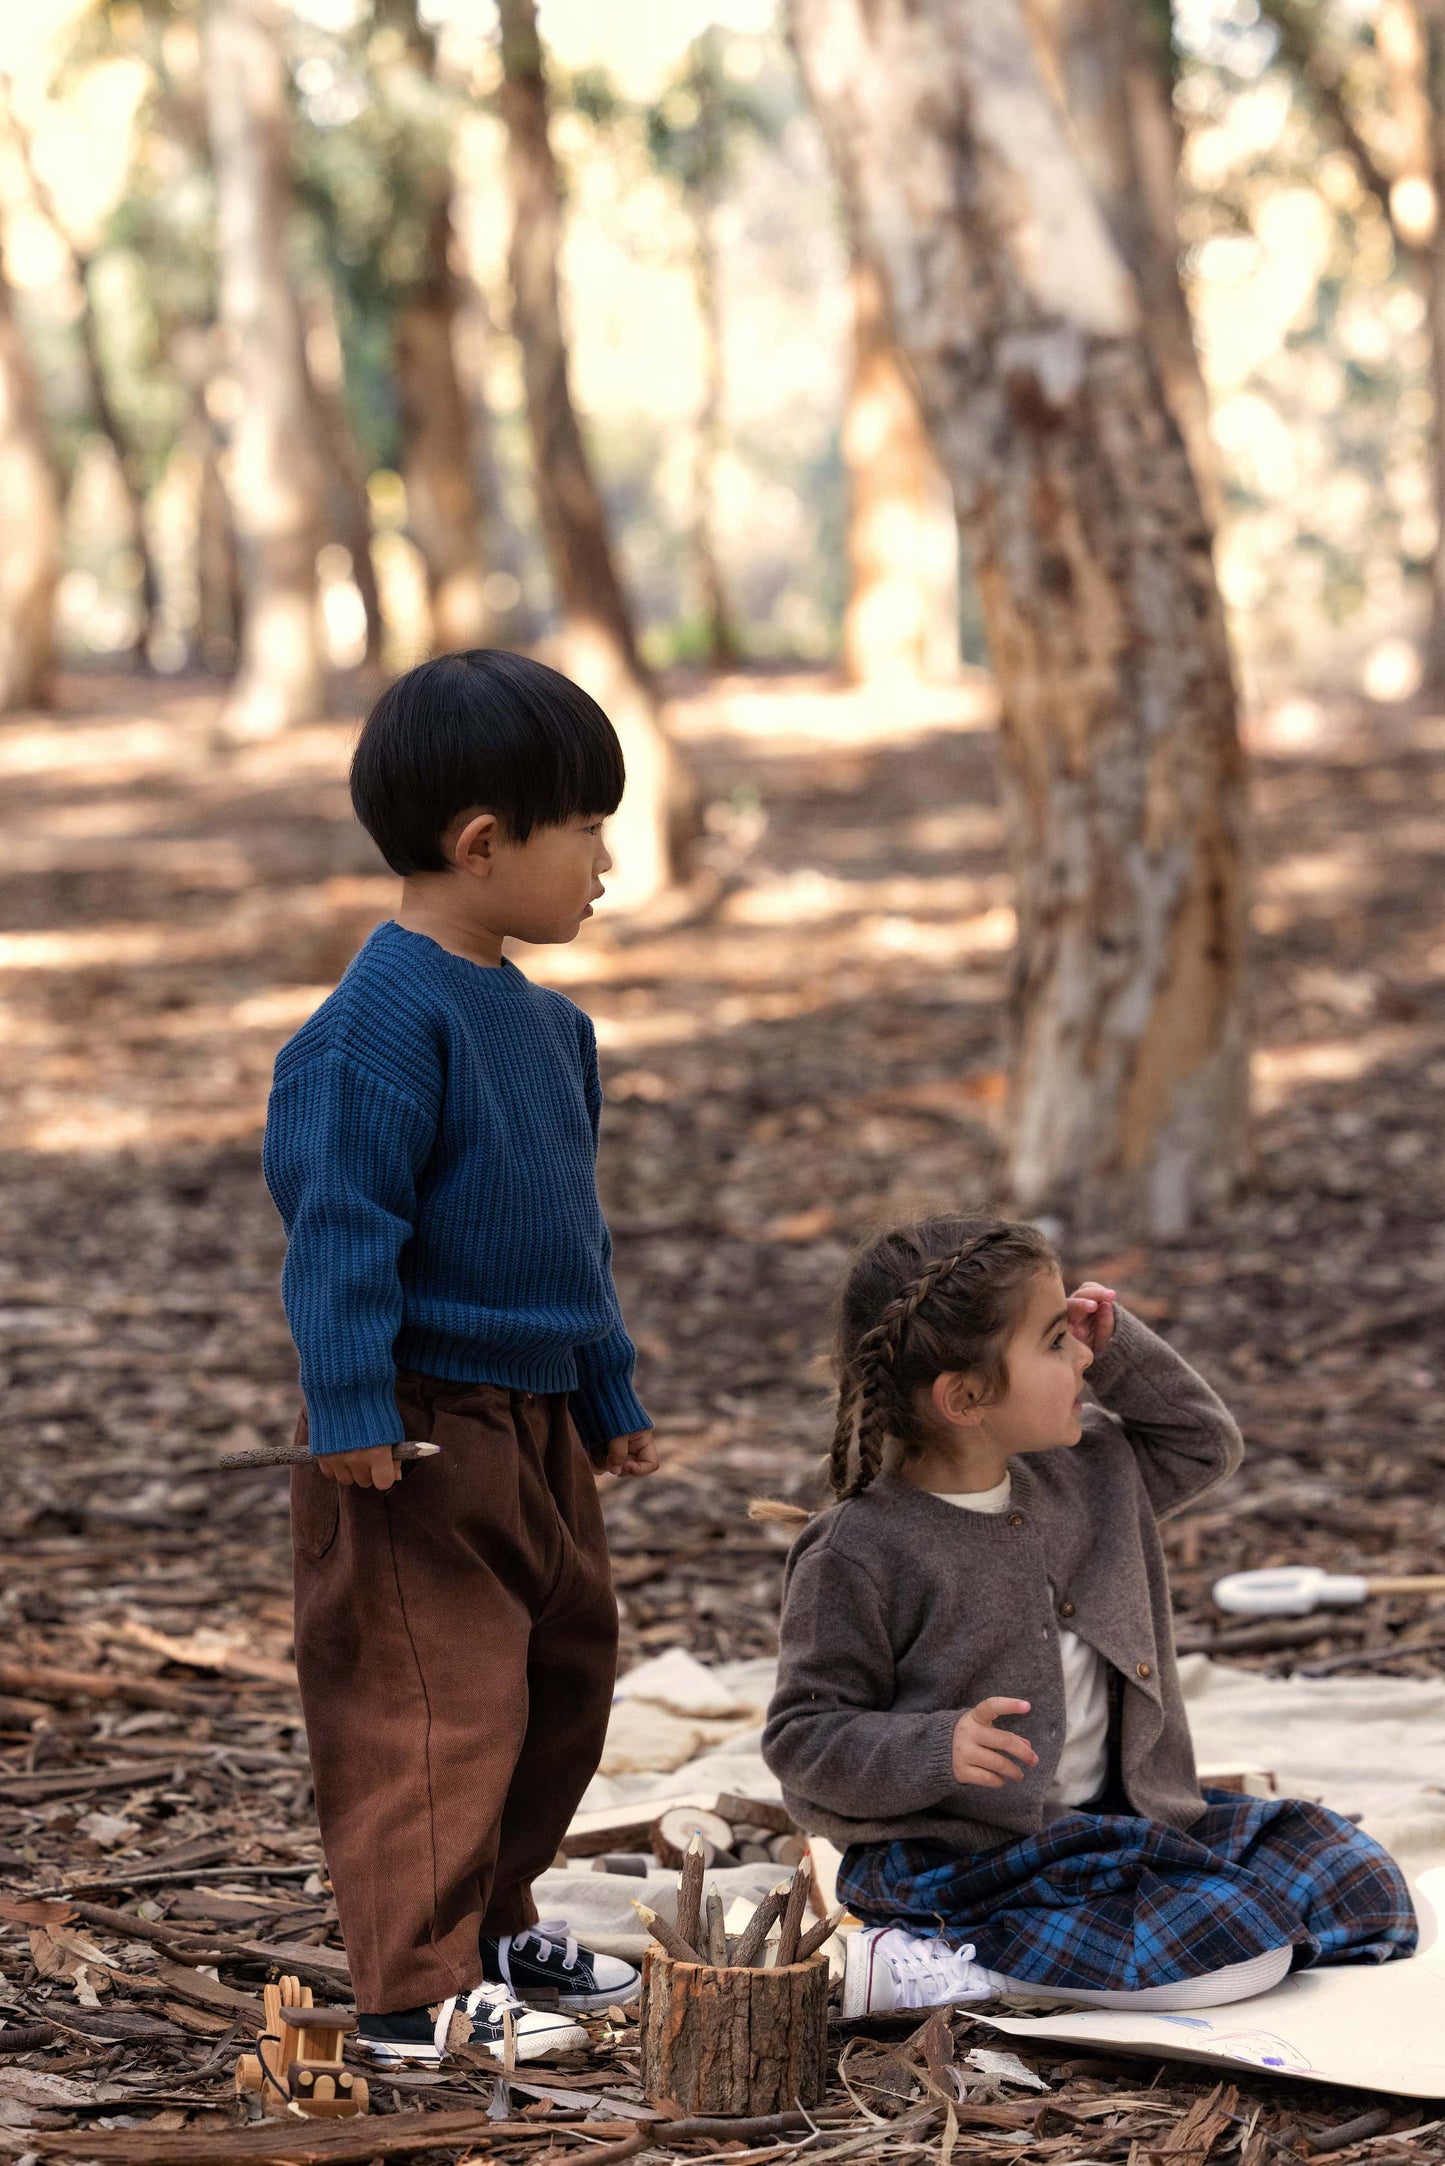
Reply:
x=1089 y=859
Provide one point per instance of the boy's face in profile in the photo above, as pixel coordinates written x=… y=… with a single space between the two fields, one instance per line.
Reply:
x=541 y=890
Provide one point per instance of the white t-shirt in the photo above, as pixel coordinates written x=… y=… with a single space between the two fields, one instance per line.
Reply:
x=1083 y=1765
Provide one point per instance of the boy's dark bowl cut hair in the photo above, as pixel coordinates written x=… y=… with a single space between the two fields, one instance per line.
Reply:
x=486 y=728
x=942 y=1294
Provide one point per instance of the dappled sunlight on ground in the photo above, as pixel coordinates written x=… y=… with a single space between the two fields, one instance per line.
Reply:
x=820 y=1047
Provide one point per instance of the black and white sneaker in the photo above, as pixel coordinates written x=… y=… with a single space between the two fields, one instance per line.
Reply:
x=420 y=2037
x=545 y=1967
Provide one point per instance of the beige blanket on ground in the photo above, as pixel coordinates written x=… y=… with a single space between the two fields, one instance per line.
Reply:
x=1365 y=1745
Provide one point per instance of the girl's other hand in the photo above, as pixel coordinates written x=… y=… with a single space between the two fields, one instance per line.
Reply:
x=985 y=1756
x=1091 y=1314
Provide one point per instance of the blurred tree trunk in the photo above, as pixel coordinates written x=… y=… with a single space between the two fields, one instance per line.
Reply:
x=901 y=622
x=97 y=387
x=29 y=523
x=1432 y=39
x=444 y=508
x=723 y=651
x=273 y=473
x=216 y=634
x=1121 y=761
x=599 y=645
x=444 y=512
x=504 y=551
x=348 y=507
x=1410 y=189
x=1110 y=59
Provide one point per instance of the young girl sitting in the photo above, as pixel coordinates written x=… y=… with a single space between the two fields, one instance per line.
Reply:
x=977 y=1695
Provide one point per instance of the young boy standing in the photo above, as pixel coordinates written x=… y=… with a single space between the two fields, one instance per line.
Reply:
x=431 y=1146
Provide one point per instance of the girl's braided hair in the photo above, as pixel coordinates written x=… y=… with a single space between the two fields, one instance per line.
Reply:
x=940 y=1295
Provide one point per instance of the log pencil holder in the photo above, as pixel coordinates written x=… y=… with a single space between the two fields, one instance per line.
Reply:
x=731 y=2040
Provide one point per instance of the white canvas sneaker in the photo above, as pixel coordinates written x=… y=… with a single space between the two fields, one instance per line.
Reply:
x=884 y=1968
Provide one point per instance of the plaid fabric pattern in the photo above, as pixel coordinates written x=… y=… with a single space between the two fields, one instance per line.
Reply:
x=1111 y=1902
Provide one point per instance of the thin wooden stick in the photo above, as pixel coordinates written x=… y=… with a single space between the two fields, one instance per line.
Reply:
x=689 y=1891
x=754 y=1937
x=288 y=1455
x=793 y=1909
x=716 y=1934
x=666 y=1936
x=814 y=1938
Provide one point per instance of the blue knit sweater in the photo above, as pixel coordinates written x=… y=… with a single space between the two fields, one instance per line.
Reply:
x=431 y=1144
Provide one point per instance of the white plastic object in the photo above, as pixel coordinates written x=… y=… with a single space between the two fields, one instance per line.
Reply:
x=1288 y=1590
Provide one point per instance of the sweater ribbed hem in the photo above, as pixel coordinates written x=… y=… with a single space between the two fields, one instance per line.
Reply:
x=351 y=1418
x=605 y=1407
x=435 y=1353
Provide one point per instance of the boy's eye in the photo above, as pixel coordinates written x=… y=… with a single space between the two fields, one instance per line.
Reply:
x=1059 y=1338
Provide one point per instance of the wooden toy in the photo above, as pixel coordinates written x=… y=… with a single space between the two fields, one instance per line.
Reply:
x=297 y=2063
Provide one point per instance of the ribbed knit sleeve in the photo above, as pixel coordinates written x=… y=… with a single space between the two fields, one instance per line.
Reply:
x=604 y=1405
x=832 y=1736
x=343 y=1153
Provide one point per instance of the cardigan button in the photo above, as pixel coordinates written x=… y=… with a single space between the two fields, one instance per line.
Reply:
x=1145 y=1669
x=1066 y=1609
x=1015 y=1519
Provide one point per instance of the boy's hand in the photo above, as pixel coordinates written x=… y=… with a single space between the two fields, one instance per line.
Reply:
x=635 y=1453
x=985 y=1756
x=373 y=1468
x=1091 y=1314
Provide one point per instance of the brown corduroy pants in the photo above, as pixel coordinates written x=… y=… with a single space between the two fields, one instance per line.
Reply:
x=456 y=1642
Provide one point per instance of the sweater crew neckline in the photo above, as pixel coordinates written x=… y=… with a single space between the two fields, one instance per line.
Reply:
x=506 y=968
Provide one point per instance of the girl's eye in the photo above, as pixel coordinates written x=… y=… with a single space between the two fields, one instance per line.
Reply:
x=1059 y=1341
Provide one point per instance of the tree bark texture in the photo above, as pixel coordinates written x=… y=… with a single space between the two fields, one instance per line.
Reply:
x=1122 y=771
x=598 y=645
x=29 y=524
x=901 y=622
x=273 y=474
x=730 y=2041
x=1109 y=62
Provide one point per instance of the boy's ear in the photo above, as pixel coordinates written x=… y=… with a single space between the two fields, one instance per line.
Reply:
x=955 y=1401
x=472 y=847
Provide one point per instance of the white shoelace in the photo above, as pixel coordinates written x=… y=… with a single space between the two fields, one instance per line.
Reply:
x=546 y=1934
x=498 y=1998
x=928 y=1972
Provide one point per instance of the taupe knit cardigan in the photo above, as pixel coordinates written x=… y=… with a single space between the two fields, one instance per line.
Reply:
x=900 y=1612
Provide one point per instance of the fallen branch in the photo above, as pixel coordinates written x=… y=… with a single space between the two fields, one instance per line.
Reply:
x=48 y=1683
x=310 y=2143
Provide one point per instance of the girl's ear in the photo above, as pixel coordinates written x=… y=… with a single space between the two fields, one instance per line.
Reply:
x=954 y=1399
x=473 y=847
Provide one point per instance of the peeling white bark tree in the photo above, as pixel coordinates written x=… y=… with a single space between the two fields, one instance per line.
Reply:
x=273 y=475
x=1120 y=752
x=29 y=524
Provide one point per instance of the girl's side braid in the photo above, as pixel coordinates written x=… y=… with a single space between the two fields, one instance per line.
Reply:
x=848 y=1398
x=873 y=1363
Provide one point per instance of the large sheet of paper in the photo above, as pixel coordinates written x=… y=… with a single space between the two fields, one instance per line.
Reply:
x=1367 y=2027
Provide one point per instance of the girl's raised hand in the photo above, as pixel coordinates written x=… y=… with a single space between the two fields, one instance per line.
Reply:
x=1091 y=1314
x=986 y=1756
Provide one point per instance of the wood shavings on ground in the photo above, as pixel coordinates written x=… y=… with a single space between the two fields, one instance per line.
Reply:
x=820 y=1050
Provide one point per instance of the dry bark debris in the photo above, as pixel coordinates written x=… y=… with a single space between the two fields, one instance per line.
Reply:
x=823 y=1053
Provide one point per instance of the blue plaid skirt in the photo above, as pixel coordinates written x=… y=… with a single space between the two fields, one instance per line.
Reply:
x=1112 y=1902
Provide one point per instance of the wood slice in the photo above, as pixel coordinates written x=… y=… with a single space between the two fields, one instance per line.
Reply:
x=730 y=2041
x=673 y=1830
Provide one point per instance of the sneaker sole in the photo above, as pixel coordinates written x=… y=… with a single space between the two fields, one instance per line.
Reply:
x=550 y=1997
x=383 y=2053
